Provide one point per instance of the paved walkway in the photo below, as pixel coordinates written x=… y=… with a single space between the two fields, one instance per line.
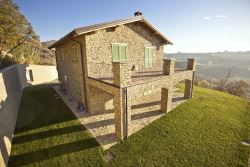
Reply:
x=102 y=125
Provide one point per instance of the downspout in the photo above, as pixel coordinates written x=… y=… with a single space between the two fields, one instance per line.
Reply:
x=84 y=79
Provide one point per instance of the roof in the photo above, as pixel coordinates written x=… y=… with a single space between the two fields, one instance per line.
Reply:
x=91 y=28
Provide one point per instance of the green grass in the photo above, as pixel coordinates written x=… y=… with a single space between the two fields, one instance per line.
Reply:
x=47 y=133
x=204 y=131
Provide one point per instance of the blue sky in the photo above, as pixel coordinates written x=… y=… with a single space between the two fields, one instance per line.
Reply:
x=192 y=25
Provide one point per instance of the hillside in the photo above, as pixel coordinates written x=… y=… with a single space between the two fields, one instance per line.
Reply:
x=46 y=55
x=216 y=65
x=204 y=131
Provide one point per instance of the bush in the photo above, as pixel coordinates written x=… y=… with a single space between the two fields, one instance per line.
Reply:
x=6 y=59
x=27 y=54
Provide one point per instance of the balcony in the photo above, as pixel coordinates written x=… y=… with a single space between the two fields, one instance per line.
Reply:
x=170 y=67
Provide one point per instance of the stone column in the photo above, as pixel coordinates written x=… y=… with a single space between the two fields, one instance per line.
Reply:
x=121 y=74
x=166 y=99
x=168 y=66
x=122 y=107
x=191 y=65
x=119 y=107
x=188 y=89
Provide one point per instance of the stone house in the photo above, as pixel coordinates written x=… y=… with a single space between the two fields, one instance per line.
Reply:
x=109 y=66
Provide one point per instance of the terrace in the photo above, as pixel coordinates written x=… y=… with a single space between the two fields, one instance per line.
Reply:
x=138 y=77
x=138 y=99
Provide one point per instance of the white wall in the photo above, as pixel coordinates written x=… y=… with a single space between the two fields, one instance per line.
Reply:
x=12 y=81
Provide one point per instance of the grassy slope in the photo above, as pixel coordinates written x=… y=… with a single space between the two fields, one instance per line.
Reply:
x=205 y=131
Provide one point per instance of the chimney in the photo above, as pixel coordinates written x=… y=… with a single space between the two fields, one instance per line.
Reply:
x=138 y=13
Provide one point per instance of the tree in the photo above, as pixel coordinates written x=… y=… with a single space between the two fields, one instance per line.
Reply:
x=238 y=88
x=14 y=27
x=223 y=82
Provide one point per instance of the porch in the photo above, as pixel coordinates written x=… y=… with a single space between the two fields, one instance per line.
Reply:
x=129 y=88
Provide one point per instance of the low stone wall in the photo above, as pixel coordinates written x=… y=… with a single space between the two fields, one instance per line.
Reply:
x=12 y=81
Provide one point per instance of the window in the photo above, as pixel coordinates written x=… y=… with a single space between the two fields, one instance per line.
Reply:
x=29 y=75
x=149 y=56
x=74 y=54
x=77 y=87
x=119 y=52
x=63 y=54
x=65 y=78
x=58 y=54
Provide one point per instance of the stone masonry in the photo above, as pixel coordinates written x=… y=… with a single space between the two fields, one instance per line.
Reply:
x=107 y=86
x=121 y=74
x=124 y=95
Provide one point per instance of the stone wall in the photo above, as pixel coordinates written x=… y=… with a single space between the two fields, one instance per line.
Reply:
x=97 y=58
x=100 y=100
x=136 y=35
x=99 y=55
x=12 y=80
x=69 y=71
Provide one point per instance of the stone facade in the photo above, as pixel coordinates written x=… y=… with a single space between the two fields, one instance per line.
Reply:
x=135 y=35
x=168 y=66
x=70 y=70
x=121 y=74
x=112 y=86
x=97 y=57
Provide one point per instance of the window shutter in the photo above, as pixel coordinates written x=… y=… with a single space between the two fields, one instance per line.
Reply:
x=115 y=52
x=150 y=57
x=123 y=55
x=58 y=54
x=74 y=54
x=146 y=55
x=63 y=54
x=77 y=87
x=153 y=56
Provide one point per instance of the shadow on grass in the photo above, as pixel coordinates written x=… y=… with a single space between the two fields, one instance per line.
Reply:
x=44 y=117
x=55 y=151
x=146 y=115
x=47 y=134
x=142 y=105
x=101 y=123
x=176 y=99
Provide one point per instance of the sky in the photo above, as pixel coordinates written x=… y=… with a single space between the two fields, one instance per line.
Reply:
x=192 y=25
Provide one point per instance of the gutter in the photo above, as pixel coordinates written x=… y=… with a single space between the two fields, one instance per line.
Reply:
x=84 y=79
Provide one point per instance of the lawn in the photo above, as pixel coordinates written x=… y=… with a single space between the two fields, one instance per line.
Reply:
x=47 y=133
x=204 y=131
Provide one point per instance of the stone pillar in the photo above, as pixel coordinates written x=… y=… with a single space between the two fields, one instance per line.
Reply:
x=191 y=65
x=121 y=74
x=122 y=107
x=166 y=99
x=168 y=66
x=188 y=89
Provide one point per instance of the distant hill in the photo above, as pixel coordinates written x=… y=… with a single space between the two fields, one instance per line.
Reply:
x=216 y=65
x=47 y=56
x=48 y=43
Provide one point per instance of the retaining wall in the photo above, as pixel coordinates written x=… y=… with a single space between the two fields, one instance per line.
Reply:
x=12 y=81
